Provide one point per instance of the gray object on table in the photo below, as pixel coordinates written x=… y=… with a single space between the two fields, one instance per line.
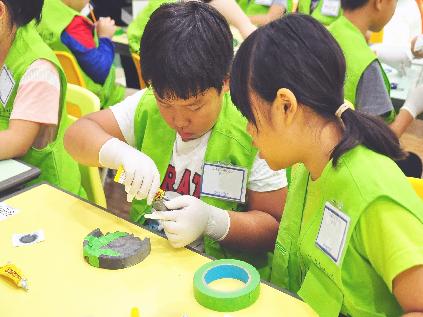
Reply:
x=116 y=250
x=25 y=173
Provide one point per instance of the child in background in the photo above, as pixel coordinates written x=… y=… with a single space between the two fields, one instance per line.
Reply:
x=186 y=122
x=324 y=11
x=367 y=85
x=32 y=98
x=228 y=8
x=262 y=12
x=137 y=26
x=63 y=28
x=350 y=241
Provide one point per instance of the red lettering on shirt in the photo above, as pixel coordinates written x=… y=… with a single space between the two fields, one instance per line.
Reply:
x=169 y=179
x=196 y=180
x=184 y=185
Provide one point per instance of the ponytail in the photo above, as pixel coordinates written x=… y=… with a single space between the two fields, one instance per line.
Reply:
x=372 y=132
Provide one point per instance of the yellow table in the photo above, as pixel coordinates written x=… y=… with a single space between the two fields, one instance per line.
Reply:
x=62 y=284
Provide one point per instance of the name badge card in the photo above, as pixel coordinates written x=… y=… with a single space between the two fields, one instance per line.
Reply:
x=6 y=85
x=331 y=7
x=224 y=182
x=264 y=2
x=333 y=231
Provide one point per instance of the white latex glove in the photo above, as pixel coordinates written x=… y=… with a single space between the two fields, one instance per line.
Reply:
x=417 y=46
x=190 y=218
x=397 y=57
x=414 y=101
x=142 y=179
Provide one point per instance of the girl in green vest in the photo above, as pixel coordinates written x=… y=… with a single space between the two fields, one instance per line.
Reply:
x=350 y=240
x=32 y=97
x=185 y=136
x=63 y=28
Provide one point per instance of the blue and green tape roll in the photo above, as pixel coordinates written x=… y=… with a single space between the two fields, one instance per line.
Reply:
x=226 y=301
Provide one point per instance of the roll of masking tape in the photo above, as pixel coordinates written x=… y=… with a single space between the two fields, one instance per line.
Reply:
x=226 y=301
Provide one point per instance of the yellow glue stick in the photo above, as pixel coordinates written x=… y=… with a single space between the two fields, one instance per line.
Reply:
x=135 y=312
x=15 y=274
x=120 y=175
x=120 y=178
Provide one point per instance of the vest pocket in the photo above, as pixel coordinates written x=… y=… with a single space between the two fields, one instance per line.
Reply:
x=280 y=274
x=321 y=293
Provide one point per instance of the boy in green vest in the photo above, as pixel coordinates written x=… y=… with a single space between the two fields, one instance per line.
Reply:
x=33 y=115
x=63 y=28
x=366 y=84
x=185 y=134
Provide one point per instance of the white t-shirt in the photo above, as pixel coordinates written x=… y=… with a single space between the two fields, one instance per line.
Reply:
x=185 y=168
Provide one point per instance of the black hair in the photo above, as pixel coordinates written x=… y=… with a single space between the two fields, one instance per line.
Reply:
x=298 y=53
x=24 y=11
x=186 y=49
x=353 y=4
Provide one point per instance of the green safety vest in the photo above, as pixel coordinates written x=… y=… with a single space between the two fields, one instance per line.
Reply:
x=304 y=6
x=137 y=26
x=250 y=7
x=56 y=16
x=229 y=144
x=351 y=187
x=358 y=56
x=56 y=166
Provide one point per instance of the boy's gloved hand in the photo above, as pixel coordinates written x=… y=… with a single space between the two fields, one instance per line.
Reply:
x=142 y=178
x=190 y=218
x=394 y=56
x=414 y=101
